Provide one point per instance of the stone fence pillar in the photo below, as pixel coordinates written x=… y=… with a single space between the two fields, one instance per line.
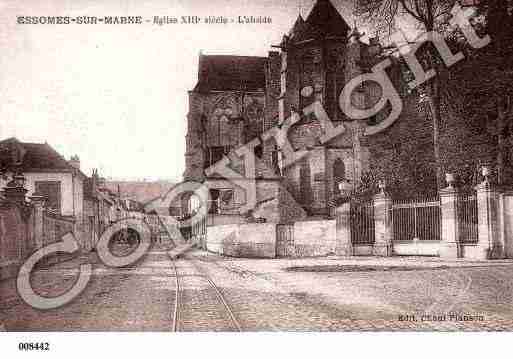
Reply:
x=490 y=244
x=38 y=203
x=383 y=225
x=449 y=246
x=343 y=231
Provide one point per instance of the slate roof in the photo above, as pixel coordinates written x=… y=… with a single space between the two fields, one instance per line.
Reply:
x=324 y=21
x=37 y=157
x=227 y=72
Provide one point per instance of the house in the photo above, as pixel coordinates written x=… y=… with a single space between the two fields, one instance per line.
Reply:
x=99 y=207
x=48 y=174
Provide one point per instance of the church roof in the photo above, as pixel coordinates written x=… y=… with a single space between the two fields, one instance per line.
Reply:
x=227 y=72
x=324 y=21
x=298 y=27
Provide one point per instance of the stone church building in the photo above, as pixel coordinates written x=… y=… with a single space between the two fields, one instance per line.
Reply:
x=238 y=99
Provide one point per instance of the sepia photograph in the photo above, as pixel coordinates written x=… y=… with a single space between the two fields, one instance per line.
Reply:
x=282 y=172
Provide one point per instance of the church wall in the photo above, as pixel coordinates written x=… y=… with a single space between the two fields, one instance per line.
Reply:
x=335 y=78
x=317 y=160
x=346 y=155
x=218 y=119
x=193 y=153
x=273 y=72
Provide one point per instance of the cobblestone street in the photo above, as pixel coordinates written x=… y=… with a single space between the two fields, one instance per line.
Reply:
x=328 y=294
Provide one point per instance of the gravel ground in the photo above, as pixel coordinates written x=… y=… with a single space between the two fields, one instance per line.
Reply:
x=366 y=294
x=320 y=294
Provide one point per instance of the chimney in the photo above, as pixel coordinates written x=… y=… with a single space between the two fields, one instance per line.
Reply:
x=101 y=182
x=75 y=162
x=94 y=180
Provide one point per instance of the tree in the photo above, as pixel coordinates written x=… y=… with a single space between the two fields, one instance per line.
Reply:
x=434 y=15
x=427 y=16
x=480 y=86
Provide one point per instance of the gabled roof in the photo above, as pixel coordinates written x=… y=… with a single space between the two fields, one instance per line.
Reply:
x=324 y=21
x=298 y=27
x=226 y=72
x=33 y=157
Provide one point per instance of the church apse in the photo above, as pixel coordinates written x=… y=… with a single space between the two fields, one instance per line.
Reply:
x=238 y=98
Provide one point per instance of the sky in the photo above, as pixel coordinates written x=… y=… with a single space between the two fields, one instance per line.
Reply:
x=116 y=95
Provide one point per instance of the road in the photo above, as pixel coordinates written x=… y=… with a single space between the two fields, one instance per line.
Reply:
x=227 y=294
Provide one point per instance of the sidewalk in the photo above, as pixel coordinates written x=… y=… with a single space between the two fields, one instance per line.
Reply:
x=420 y=261
x=365 y=263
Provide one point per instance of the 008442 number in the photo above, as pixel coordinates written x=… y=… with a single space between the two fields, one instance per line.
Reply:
x=34 y=346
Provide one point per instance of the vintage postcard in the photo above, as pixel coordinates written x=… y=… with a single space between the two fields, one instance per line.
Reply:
x=285 y=166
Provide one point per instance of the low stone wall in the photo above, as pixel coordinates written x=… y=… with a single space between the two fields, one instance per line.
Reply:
x=224 y=219
x=315 y=238
x=416 y=248
x=55 y=227
x=243 y=240
x=267 y=240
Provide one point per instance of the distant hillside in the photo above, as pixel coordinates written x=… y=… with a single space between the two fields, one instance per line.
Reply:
x=142 y=192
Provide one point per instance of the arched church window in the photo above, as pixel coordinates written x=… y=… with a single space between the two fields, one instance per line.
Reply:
x=305 y=184
x=306 y=79
x=339 y=173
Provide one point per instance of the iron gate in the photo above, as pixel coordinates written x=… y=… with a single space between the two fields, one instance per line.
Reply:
x=362 y=223
x=466 y=206
x=417 y=220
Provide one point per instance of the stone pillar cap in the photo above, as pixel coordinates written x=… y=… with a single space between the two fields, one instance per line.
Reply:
x=486 y=186
x=447 y=191
x=383 y=195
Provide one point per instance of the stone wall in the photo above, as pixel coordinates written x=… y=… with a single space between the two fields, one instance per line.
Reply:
x=315 y=238
x=224 y=219
x=15 y=239
x=246 y=240
x=265 y=240
x=508 y=224
x=417 y=248
x=55 y=227
x=27 y=227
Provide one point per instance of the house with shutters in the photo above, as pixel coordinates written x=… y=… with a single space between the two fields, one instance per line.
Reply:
x=48 y=174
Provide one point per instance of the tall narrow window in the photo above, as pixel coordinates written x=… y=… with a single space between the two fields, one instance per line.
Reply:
x=52 y=192
x=305 y=184
x=339 y=173
x=307 y=81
